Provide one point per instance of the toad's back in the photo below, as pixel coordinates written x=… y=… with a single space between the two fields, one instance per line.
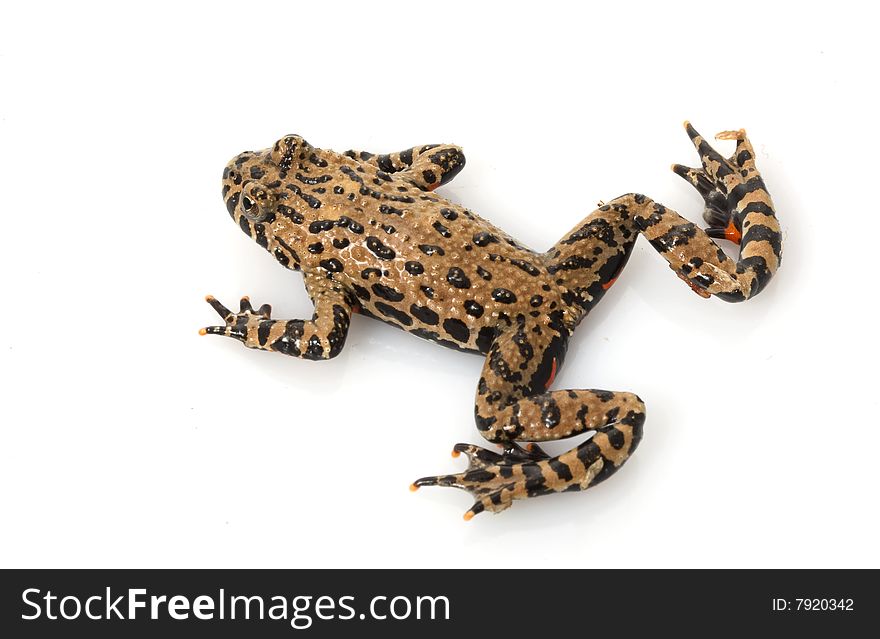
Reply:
x=411 y=257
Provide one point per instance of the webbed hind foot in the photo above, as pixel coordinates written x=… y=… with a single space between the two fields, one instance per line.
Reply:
x=489 y=478
x=717 y=180
x=495 y=480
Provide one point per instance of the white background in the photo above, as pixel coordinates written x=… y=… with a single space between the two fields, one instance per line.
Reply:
x=128 y=440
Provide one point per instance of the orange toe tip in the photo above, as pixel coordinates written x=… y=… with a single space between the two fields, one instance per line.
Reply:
x=456 y=453
x=413 y=488
x=203 y=331
x=739 y=134
x=469 y=515
x=732 y=233
x=686 y=123
x=209 y=298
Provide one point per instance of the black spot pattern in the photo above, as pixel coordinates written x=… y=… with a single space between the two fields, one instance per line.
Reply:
x=526 y=266
x=361 y=292
x=311 y=200
x=442 y=230
x=484 y=239
x=473 y=308
x=424 y=314
x=380 y=250
x=350 y=224
x=389 y=210
x=430 y=249
x=485 y=338
x=503 y=296
x=393 y=313
x=387 y=292
x=290 y=214
x=457 y=329
x=289 y=250
x=457 y=278
x=414 y=268
x=321 y=225
x=333 y=265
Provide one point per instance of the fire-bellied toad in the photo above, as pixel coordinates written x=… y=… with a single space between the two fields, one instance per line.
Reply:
x=371 y=237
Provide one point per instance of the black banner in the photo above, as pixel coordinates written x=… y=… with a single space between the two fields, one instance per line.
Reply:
x=432 y=603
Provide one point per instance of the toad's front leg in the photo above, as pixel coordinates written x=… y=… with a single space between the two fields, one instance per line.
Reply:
x=427 y=166
x=322 y=337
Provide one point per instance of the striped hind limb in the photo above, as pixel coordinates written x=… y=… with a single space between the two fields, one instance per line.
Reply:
x=495 y=480
x=738 y=209
x=514 y=404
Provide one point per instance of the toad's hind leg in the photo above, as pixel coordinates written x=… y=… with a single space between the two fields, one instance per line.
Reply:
x=738 y=208
x=513 y=404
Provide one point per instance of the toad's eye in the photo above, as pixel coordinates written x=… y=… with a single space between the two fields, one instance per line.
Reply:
x=256 y=202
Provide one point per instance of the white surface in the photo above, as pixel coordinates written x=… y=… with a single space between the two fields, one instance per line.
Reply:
x=128 y=440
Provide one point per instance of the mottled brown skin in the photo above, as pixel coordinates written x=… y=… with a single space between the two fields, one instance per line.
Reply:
x=370 y=236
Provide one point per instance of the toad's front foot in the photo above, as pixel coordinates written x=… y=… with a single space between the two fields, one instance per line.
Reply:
x=319 y=338
x=496 y=479
x=238 y=325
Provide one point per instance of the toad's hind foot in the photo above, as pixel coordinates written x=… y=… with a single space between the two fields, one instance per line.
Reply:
x=490 y=478
x=496 y=479
x=718 y=179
